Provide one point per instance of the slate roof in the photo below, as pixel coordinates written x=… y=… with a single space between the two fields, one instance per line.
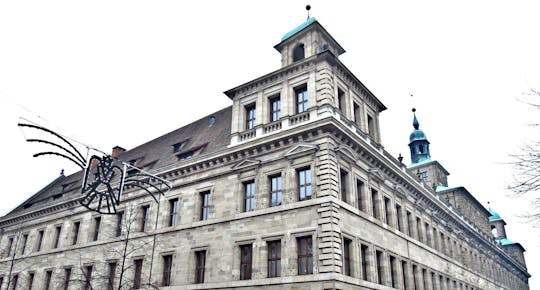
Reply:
x=200 y=137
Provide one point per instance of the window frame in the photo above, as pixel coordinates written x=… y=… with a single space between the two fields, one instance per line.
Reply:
x=173 y=212
x=167 y=270
x=304 y=246
x=302 y=174
x=137 y=272
x=111 y=274
x=251 y=116
x=97 y=226
x=200 y=266
x=246 y=261
x=273 y=258
x=275 y=108
x=145 y=216
x=276 y=192
x=206 y=204
x=57 y=232
x=301 y=99
x=248 y=195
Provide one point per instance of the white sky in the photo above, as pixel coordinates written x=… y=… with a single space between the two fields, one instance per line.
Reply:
x=123 y=72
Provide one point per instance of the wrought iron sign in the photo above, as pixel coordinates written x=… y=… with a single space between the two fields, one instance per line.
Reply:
x=105 y=178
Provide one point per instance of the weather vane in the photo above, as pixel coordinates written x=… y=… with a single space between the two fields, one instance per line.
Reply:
x=105 y=177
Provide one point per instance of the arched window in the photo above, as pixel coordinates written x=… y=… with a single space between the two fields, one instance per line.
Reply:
x=421 y=149
x=298 y=52
x=494 y=231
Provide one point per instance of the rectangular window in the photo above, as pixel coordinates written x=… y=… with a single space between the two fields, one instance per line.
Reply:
x=10 y=245
x=250 y=116
x=360 y=195
x=404 y=276
x=415 y=276
x=76 y=228
x=31 y=281
x=410 y=223
x=173 y=212
x=137 y=264
x=399 y=213
x=67 y=278
x=343 y=178
x=39 y=241
x=425 y=278
x=23 y=243
x=57 y=231
x=145 y=215
x=88 y=277
x=249 y=196
x=347 y=257
x=305 y=255
x=379 y=260
x=275 y=190
x=97 y=225
x=245 y=262
x=111 y=275
x=388 y=211
x=375 y=204
x=341 y=101
x=419 y=234
x=393 y=272
x=14 y=281
x=119 y=222
x=428 y=235
x=357 y=114
x=167 y=269
x=200 y=265
x=364 y=263
x=48 y=276
x=205 y=205
x=275 y=109
x=304 y=183
x=301 y=94
x=274 y=259
x=371 y=127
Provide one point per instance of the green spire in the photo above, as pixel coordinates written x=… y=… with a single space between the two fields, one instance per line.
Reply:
x=415 y=122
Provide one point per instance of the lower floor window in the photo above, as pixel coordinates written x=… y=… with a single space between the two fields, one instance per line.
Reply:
x=305 y=255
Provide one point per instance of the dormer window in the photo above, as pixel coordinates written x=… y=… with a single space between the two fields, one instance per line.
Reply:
x=178 y=146
x=250 y=116
x=298 y=52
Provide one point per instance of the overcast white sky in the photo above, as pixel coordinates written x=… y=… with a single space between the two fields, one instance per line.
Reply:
x=123 y=72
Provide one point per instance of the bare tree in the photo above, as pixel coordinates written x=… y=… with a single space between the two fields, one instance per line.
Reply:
x=119 y=254
x=526 y=166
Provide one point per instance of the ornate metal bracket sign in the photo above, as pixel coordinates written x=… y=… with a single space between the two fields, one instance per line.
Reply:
x=105 y=177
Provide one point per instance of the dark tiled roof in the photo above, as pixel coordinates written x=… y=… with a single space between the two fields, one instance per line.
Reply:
x=198 y=138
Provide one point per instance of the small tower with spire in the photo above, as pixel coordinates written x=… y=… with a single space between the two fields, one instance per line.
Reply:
x=431 y=172
x=418 y=143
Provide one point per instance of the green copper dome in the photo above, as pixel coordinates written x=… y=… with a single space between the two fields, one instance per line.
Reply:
x=417 y=135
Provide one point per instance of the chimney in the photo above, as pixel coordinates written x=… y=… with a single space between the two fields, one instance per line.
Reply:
x=117 y=151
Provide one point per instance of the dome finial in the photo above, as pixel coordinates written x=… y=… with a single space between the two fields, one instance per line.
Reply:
x=415 y=123
x=308 y=7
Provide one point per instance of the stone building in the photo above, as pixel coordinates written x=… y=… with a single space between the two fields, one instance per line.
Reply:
x=288 y=188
